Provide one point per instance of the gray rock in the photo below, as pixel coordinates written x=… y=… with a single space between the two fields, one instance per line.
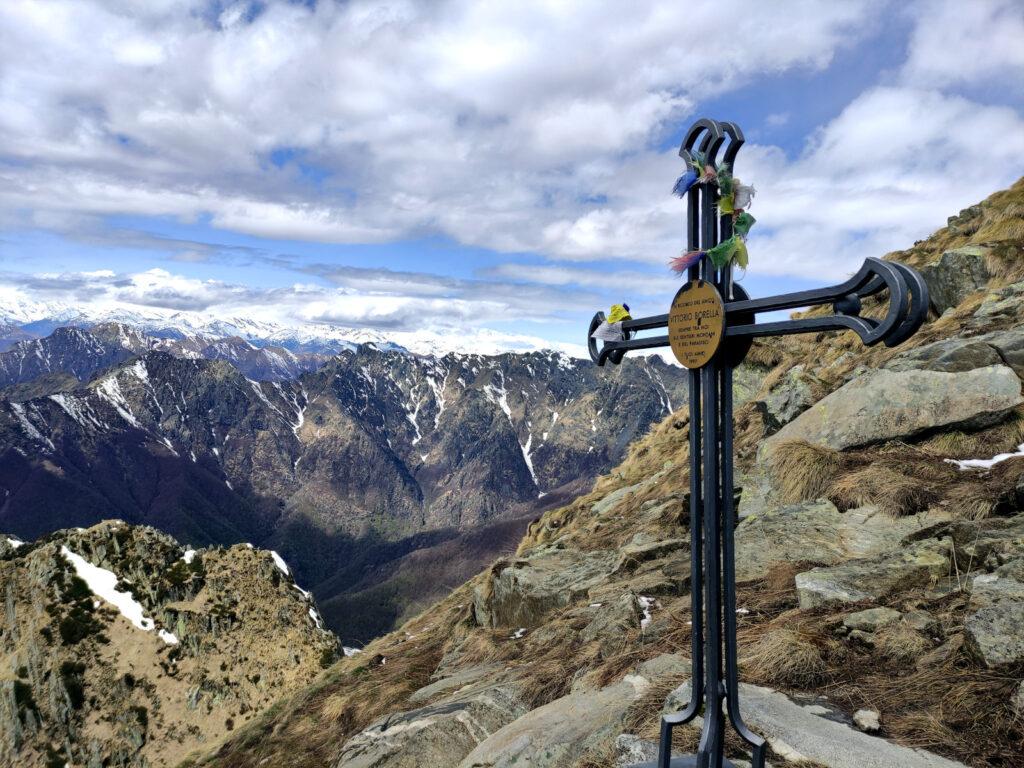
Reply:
x=611 y=623
x=644 y=547
x=521 y=593
x=948 y=355
x=456 y=681
x=966 y=222
x=874 y=578
x=557 y=734
x=868 y=720
x=665 y=667
x=1010 y=345
x=995 y=633
x=630 y=749
x=886 y=405
x=436 y=735
x=956 y=275
x=921 y=621
x=755 y=493
x=872 y=619
x=1001 y=306
x=813 y=733
x=809 y=531
x=1005 y=583
x=790 y=397
x=815 y=531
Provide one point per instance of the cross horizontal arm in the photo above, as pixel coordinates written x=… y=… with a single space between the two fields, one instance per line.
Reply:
x=908 y=308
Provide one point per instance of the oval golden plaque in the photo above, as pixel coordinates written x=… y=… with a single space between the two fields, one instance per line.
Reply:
x=696 y=323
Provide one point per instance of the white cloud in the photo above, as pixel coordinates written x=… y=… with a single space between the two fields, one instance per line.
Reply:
x=977 y=42
x=526 y=127
x=485 y=122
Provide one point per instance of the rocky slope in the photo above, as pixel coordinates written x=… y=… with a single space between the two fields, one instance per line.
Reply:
x=881 y=561
x=119 y=647
x=343 y=470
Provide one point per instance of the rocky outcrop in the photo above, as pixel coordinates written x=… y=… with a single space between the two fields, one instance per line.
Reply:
x=436 y=734
x=127 y=649
x=555 y=735
x=521 y=593
x=874 y=578
x=957 y=274
x=817 y=532
x=812 y=732
x=790 y=397
x=889 y=405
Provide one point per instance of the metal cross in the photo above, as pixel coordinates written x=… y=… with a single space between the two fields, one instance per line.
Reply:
x=712 y=516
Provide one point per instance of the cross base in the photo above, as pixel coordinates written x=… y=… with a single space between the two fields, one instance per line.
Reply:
x=689 y=761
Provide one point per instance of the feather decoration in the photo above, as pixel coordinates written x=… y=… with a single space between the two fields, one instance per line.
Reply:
x=684 y=261
x=741 y=224
x=722 y=253
x=725 y=204
x=709 y=174
x=684 y=182
x=744 y=196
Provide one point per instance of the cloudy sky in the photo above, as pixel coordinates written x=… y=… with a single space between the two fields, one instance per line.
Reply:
x=476 y=167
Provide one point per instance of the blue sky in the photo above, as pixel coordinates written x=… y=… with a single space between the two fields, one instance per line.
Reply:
x=473 y=168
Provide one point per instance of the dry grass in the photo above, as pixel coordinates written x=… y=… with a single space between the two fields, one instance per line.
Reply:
x=801 y=471
x=765 y=353
x=786 y=657
x=956 y=708
x=901 y=644
x=884 y=486
x=1001 y=438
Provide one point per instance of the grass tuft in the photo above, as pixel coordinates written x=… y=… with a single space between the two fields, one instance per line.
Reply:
x=801 y=471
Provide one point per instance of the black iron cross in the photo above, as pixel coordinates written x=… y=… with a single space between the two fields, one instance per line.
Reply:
x=712 y=516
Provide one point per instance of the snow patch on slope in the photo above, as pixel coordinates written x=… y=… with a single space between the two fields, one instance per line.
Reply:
x=103 y=584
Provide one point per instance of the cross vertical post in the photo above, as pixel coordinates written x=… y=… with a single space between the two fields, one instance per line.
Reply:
x=711 y=352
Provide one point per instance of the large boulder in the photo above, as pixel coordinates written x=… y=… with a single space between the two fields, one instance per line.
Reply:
x=519 y=594
x=875 y=578
x=887 y=405
x=957 y=274
x=559 y=733
x=433 y=736
x=813 y=733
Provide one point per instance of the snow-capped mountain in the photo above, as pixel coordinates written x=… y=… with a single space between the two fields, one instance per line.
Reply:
x=21 y=319
x=374 y=454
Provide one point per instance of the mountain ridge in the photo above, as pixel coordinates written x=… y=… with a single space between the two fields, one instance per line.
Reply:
x=363 y=456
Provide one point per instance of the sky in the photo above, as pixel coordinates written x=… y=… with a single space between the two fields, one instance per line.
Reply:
x=471 y=168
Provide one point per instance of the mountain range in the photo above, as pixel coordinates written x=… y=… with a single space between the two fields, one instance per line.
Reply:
x=22 y=319
x=345 y=463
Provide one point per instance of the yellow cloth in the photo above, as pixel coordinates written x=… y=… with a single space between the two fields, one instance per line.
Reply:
x=618 y=314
